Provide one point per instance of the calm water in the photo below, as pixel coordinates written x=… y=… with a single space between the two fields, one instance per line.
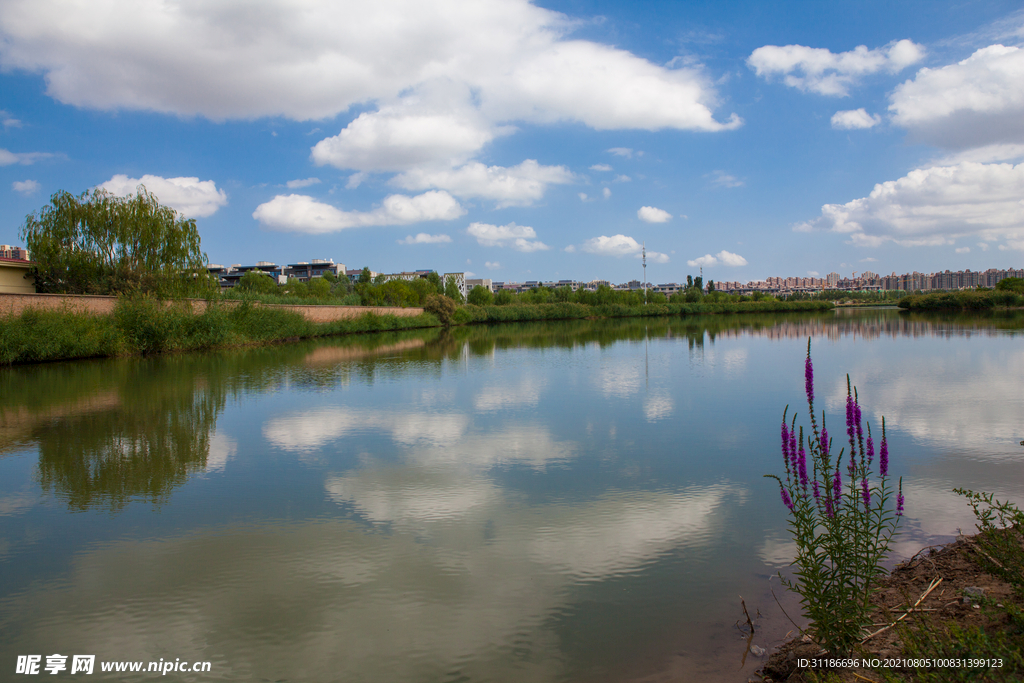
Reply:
x=574 y=501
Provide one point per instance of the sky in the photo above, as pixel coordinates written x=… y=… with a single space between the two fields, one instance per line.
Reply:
x=534 y=141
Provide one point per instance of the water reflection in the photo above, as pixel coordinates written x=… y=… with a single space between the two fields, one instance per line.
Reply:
x=553 y=502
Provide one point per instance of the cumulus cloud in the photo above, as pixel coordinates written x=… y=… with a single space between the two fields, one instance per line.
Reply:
x=963 y=250
x=492 y=265
x=934 y=206
x=8 y=120
x=652 y=214
x=444 y=77
x=852 y=119
x=726 y=258
x=424 y=238
x=24 y=158
x=606 y=192
x=190 y=197
x=827 y=73
x=296 y=184
x=620 y=245
x=25 y=187
x=978 y=101
x=622 y=152
x=519 y=185
x=301 y=213
x=519 y=237
x=601 y=167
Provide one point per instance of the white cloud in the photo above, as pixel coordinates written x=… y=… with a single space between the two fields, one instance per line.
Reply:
x=963 y=250
x=492 y=265
x=935 y=206
x=519 y=185
x=978 y=101
x=622 y=179
x=622 y=152
x=983 y=246
x=296 y=184
x=606 y=192
x=652 y=214
x=853 y=119
x=826 y=73
x=8 y=120
x=601 y=167
x=726 y=258
x=424 y=238
x=394 y=139
x=519 y=237
x=444 y=78
x=724 y=179
x=300 y=213
x=25 y=187
x=24 y=158
x=583 y=197
x=984 y=155
x=869 y=259
x=813 y=273
x=616 y=245
x=705 y=260
x=190 y=197
x=619 y=245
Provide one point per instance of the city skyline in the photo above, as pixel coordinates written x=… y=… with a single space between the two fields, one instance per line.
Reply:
x=517 y=141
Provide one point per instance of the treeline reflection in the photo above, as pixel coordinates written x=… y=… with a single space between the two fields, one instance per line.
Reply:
x=114 y=431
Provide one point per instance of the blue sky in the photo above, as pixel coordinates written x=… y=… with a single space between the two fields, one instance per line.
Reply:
x=519 y=140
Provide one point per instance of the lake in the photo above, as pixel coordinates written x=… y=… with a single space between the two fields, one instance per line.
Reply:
x=571 y=501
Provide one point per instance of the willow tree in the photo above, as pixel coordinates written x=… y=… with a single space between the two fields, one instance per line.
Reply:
x=99 y=243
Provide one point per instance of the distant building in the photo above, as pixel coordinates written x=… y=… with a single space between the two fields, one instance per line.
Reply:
x=459 y=279
x=231 y=276
x=13 y=253
x=480 y=282
x=304 y=272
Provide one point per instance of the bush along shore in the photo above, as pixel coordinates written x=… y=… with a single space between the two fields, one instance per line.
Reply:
x=1009 y=293
x=142 y=325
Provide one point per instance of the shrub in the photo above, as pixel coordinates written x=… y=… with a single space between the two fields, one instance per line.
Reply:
x=842 y=533
x=441 y=306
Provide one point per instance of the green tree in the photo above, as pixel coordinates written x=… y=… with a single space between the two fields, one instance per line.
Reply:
x=689 y=281
x=504 y=298
x=257 y=282
x=103 y=244
x=481 y=296
x=451 y=290
x=711 y=286
x=296 y=287
x=365 y=277
x=435 y=281
x=320 y=287
x=1011 y=284
x=698 y=283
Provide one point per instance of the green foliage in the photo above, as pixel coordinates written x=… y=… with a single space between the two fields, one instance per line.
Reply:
x=1011 y=284
x=320 y=287
x=441 y=306
x=504 y=298
x=296 y=287
x=480 y=296
x=257 y=282
x=841 y=524
x=967 y=300
x=38 y=335
x=451 y=290
x=1000 y=535
x=364 y=277
x=97 y=243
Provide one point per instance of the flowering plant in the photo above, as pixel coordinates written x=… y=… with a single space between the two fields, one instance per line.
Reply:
x=841 y=522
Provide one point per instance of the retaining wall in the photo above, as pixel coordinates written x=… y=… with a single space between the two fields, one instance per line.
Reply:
x=14 y=304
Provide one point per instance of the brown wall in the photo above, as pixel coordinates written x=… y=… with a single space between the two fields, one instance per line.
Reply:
x=14 y=304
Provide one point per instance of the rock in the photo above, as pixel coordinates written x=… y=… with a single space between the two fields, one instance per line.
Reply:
x=758 y=651
x=972 y=594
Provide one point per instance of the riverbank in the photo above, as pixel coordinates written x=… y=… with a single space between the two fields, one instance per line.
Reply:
x=967 y=300
x=939 y=609
x=147 y=326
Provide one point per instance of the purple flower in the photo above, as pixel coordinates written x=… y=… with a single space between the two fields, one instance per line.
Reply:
x=856 y=419
x=837 y=487
x=883 y=457
x=865 y=493
x=899 y=504
x=824 y=441
x=849 y=418
x=871 y=448
x=809 y=376
x=792 y=448
x=785 y=440
x=785 y=498
x=828 y=508
x=817 y=492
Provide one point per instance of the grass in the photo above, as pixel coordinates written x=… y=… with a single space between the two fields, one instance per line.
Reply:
x=144 y=326
x=967 y=300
